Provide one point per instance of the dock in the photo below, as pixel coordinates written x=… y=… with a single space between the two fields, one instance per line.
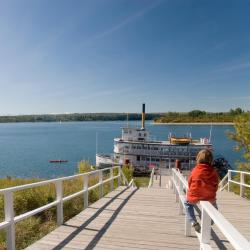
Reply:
x=142 y=218
x=128 y=217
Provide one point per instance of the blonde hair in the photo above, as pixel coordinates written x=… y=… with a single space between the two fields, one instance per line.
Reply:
x=204 y=156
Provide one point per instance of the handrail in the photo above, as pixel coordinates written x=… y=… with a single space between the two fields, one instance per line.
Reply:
x=209 y=213
x=221 y=186
x=132 y=183
x=239 y=242
x=151 y=181
x=241 y=183
x=11 y=219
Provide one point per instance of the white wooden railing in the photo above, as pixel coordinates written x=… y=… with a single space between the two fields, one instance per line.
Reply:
x=151 y=180
x=228 y=179
x=208 y=213
x=10 y=219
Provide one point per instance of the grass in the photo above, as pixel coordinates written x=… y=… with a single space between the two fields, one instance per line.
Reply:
x=41 y=224
x=236 y=188
x=141 y=181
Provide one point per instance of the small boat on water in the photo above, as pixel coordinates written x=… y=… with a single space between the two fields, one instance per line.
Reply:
x=58 y=161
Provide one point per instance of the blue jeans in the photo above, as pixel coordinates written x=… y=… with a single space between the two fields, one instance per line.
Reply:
x=190 y=211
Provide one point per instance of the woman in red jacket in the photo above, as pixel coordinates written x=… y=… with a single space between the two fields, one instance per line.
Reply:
x=202 y=185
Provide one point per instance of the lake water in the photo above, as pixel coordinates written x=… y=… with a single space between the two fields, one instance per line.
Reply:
x=26 y=148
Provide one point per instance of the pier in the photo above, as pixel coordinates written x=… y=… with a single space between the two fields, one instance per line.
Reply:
x=143 y=218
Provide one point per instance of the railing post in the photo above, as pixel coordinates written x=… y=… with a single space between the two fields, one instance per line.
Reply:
x=180 y=203
x=86 y=192
x=59 y=196
x=160 y=178
x=119 y=176
x=100 y=184
x=242 y=181
x=9 y=216
x=176 y=191
x=174 y=183
x=205 y=227
x=229 y=179
x=111 y=179
x=187 y=226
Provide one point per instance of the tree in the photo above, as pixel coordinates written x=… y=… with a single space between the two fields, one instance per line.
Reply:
x=236 y=111
x=242 y=138
x=196 y=113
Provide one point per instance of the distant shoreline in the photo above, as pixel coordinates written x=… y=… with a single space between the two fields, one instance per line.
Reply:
x=193 y=123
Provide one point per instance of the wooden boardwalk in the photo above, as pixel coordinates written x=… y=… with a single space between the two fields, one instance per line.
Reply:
x=130 y=218
x=124 y=219
x=236 y=210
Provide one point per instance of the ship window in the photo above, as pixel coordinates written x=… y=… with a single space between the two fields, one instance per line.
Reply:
x=139 y=134
x=145 y=134
x=138 y=157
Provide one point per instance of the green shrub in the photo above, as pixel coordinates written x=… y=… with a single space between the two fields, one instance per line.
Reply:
x=128 y=172
x=41 y=224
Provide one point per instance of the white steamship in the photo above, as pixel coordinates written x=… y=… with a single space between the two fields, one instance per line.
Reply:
x=136 y=148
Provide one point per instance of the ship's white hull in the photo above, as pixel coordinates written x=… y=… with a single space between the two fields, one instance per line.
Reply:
x=136 y=148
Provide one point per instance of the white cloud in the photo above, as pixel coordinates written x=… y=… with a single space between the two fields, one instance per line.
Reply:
x=125 y=22
x=234 y=67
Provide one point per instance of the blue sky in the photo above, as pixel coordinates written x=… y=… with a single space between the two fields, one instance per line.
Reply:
x=112 y=55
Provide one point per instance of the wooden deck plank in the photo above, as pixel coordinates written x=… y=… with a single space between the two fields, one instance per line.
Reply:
x=138 y=219
x=141 y=219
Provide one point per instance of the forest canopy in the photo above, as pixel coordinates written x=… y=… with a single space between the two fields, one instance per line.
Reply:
x=199 y=116
x=168 y=117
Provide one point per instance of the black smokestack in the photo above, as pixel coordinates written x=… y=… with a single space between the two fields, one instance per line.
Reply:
x=143 y=117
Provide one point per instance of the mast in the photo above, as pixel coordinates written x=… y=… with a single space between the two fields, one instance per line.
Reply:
x=210 y=133
x=143 y=117
x=96 y=142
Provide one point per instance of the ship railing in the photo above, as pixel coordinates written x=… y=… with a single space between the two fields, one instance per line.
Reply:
x=208 y=214
x=151 y=180
x=10 y=219
x=228 y=181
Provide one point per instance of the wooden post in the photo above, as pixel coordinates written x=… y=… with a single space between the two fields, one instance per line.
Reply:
x=180 y=203
x=205 y=227
x=9 y=216
x=112 y=180
x=176 y=191
x=229 y=179
x=119 y=176
x=187 y=226
x=100 y=184
x=59 y=196
x=86 y=192
x=242 y=181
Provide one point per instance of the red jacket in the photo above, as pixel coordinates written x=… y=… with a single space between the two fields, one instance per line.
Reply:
x=202 y=184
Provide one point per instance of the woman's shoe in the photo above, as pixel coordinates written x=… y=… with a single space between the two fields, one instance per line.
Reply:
x=196 y=227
